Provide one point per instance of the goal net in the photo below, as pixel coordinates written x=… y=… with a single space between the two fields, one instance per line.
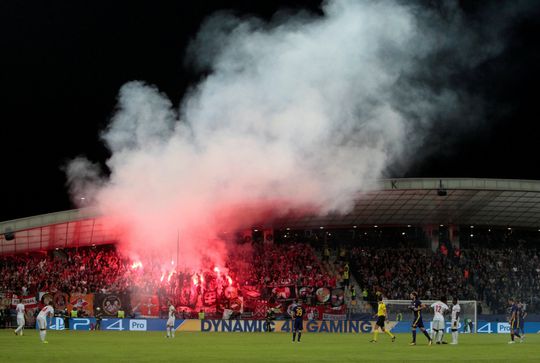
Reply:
x=398 y=310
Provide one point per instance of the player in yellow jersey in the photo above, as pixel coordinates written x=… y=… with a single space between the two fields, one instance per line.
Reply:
x=381 y=317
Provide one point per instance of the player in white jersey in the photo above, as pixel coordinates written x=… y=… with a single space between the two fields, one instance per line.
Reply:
x=47 y=311
x=20 y=319
x=437 y=326
x=456 y=311
x=170 y=321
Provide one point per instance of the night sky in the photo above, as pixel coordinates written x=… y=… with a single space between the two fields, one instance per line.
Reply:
x=64 y=62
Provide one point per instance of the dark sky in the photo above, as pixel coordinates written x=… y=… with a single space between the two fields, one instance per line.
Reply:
x=63 y=63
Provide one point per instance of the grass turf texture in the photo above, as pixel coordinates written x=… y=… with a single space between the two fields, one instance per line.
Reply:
x=67 y=346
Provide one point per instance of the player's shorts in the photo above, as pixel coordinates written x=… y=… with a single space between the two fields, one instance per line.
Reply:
x=298 y=324
x=454 y=324
x=514 y=325
x=20 y=320
x=380 y=321
x=418 y=323
x=437 y=324
x=170 y=322
x=42 y=323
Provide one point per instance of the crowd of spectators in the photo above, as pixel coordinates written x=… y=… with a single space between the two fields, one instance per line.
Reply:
x=103 y=269
x=75 y=271
x=397 y=272
x=503 y=273
x=288 y=264
x=487 y=275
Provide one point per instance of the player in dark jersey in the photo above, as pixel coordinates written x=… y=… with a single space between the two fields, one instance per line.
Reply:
x=515 y=321
x=416 y=307
x=522 y=314
x=297 y=315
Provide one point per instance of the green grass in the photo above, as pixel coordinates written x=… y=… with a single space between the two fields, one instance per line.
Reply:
x=68 y=346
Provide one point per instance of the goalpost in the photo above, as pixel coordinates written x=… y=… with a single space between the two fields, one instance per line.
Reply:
x=397 y=309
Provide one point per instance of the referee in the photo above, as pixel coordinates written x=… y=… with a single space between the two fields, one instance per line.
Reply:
x=381 y=317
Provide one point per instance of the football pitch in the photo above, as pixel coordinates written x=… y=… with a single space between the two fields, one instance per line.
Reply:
x=69 y=346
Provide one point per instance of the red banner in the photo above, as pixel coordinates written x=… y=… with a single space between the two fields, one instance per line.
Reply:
x=146 y=305
x=29 y=301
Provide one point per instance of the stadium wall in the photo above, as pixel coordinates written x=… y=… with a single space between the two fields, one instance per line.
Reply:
x=254 y=326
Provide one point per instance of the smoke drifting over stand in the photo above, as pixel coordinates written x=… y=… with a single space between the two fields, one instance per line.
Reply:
x=296 y=114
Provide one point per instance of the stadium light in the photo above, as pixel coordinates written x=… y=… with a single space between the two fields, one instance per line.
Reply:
x=403 y=233
x=441 y=225
x=472 y=226
x=357 y=226
x=472 y=235
x=321 y=227
x=408 y=226
x=376 y=226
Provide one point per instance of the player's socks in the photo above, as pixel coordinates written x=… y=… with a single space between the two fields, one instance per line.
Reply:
x=434 y=333
x=293 y=336
x=42 y=335
x=414 y=336
x=299 y=335
x=390 y=334
x=427 y=335
x=375 y=335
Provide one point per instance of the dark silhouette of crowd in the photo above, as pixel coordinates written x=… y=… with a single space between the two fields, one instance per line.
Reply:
x=487 y=275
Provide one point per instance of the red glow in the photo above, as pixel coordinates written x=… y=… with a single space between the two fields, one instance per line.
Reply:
x=162 y=277
x=170 y=275
x=195 y=280
x=135 y=265
x=229 y=279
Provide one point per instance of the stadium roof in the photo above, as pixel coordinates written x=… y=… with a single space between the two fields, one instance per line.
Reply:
x=489 y=202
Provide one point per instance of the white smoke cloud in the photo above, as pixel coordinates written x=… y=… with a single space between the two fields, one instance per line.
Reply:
x=296 y=114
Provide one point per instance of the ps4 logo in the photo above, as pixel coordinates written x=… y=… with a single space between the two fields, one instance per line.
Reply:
x=57 y=324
